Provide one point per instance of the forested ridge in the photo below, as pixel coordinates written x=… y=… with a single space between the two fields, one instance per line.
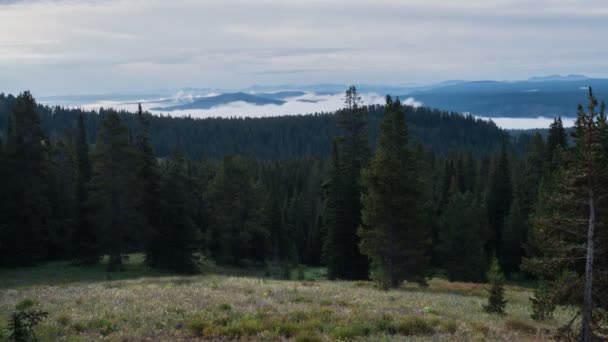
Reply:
x=271 y=138
x=390 y=193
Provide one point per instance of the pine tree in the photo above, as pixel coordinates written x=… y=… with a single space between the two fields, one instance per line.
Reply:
x=84 y=240
x=557 y=136
x=344 y=260
x=570 y=223
x=234 y=212
x=496 y=299
x=542 y=302
x=175 y=239
x=499 y=197
x=393 y=232
x=148 y=189
x=334 y=215
x=111 y=202
x=26 y=209
x=514 y=238
x=462 y=238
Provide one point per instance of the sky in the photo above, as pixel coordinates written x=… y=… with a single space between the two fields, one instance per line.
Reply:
x=58 y=47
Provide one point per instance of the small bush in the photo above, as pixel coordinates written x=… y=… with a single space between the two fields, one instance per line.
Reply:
x=352 y=330
x=496 y=300
x=64 y=320
x=225 y=307
x=542 y=303
x=197 y=327
x=102 y=325
x=449 y=327
x=414 y=325
x=79 y=327
x=385 y=324
x=23 y=320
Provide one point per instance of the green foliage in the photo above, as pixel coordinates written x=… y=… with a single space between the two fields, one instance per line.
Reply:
x=462 y=238
x=84 y=241
x=23 y=320
x=112 y=198
x=393 y=233
x=350 y=153
x=173 y=241
x=24 y=196
x=234 y=208
x=496 y=299
x=498 y=203
x=542 y=302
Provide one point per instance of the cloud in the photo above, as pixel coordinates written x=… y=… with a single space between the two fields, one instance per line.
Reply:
x=305 y=104
x=97 y=46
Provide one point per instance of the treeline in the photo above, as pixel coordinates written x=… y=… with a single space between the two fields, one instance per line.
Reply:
x=381 y=205
x=271 y=138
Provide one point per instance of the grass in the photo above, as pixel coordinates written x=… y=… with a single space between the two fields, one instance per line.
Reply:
x=231 y=304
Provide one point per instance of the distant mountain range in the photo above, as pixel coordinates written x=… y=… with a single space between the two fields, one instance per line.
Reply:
x=546 y=96
x=225 y=99
x=538 y=96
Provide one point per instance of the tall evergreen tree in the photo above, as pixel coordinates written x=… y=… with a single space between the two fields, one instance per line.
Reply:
x=462 y=238
x=570 y=224
x=85 y=240
x=513 y=238
x=111 y=202
x=174 y=242
x=233 y=199
x=393 y=233
x=344 y=260
x=26 y=208
x=499 y=197
x=557 y=136
x=148 y=182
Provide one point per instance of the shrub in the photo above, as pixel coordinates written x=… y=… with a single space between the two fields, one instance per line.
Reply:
x=413 y=325
x=225 y=307
x=64 y=320
x=102 y=325
x=448 y=326
x=542 y=303
x=351 y=330
x=197 y=327
x=23 y=320
x=496 y=300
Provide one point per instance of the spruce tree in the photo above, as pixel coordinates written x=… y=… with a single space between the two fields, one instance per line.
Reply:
x=148 y=188
x=496 y=298
x=234 y=212
x=514 y=238
x=111 y=202
x=557 y=136
x=498 y=202
x=344 y=260
x=26 y=209
x=569 y=223
x=84 y=240
x=393 y=233
x=462 y=238
x=175 y=239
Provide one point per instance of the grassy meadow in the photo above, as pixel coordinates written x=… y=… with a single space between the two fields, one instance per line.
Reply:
x=224 y=304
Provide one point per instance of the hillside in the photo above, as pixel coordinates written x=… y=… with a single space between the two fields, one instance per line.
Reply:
x=229 y=304
x=275 y=138
x=225 y=99
x=539 y=96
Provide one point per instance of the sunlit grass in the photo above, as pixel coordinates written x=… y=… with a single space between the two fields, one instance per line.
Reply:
x=230 y=304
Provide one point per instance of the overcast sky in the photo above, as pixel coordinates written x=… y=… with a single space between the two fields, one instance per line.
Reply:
x=100 y=46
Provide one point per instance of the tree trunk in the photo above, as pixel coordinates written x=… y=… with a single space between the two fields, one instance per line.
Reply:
x=587 y=297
